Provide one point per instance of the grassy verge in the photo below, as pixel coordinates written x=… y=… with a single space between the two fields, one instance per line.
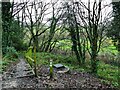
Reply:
x=6 y=63
x=111 y=49
x=8 y=59
x=106 y=72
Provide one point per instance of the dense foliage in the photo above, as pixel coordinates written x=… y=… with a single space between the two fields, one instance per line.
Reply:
x=12 y=35
x=114 y=31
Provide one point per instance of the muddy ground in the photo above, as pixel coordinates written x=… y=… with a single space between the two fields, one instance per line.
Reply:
x=20 y=77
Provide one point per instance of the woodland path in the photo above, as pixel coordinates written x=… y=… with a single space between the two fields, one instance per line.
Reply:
x=20 y=76
x=12 y=77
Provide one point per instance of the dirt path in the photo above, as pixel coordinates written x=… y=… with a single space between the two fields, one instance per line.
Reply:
x=12 y=78
x=17 y=78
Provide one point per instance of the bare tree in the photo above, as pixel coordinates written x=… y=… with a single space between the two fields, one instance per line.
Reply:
x=86 y=24
x=92 y=20
x=34 y=14
x=72 y=25
x=54 y=26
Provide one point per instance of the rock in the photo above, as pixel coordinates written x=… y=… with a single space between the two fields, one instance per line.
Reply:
x=48 y=77
x=75 y=73
x=45 y=75
x=55 y=78
x=45 y=83
x=58 y=66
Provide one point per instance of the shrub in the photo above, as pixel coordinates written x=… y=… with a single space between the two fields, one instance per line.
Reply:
x=11 y=52
x=10 y=56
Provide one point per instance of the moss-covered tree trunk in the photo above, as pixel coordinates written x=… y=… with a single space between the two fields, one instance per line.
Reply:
x=93 y=58
x=74 y=41
x=94 y=48
x=118 y=46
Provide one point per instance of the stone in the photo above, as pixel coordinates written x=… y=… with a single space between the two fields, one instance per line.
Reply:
x=58 y=66
x=48 y=77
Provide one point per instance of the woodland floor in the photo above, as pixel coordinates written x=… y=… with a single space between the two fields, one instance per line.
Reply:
x=19 y=77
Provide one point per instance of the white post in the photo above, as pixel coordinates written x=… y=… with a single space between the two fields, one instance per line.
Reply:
x=51 y=68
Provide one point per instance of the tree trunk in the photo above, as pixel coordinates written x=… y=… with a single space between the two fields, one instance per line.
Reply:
x=48 y=45
x=30 y=42
x=35 y=42
x=118 y=46
x=94 y=55
x=74 y=41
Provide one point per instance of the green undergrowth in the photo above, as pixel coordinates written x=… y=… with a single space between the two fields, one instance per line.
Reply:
x=6 y=62
x=106 y=72
x=8 y=58
x=64 y=44
x=111 y=49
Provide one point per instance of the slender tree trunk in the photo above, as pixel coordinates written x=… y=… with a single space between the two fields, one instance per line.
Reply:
x=93 y=61
x=73 y=38
x=118 y=46
x=48 y=45
x=35 y=42
x=30 y=42
x=94 y=50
